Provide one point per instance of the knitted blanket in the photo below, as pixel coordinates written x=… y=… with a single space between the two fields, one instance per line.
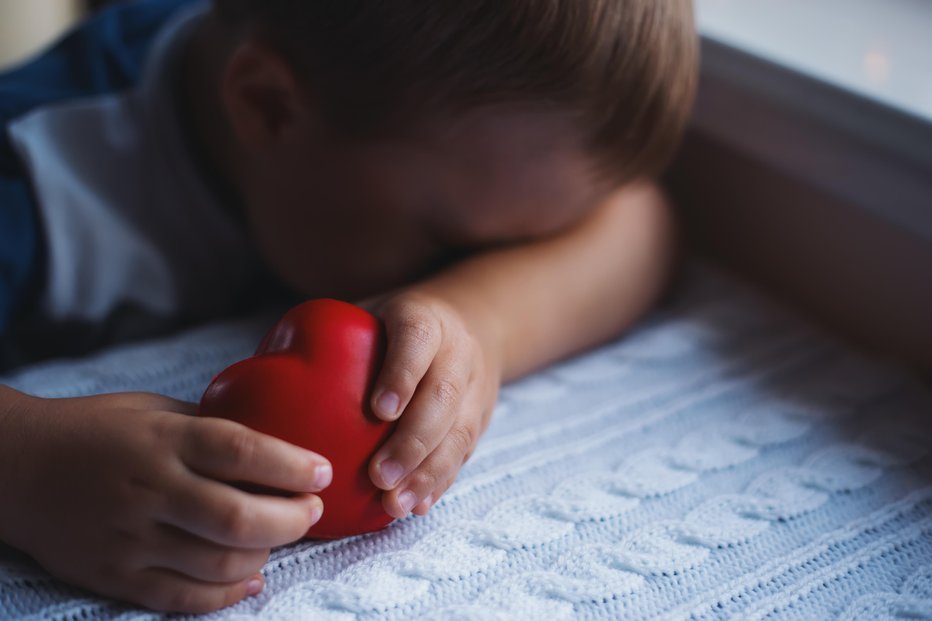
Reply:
x=724 y=460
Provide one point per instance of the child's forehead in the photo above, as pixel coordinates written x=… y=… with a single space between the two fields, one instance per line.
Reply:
x=506 y=128
x=496 y=169
x=500 y=145
x=502 y=173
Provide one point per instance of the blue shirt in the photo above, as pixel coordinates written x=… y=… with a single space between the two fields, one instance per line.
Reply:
x=103 y=55
x=105 y=208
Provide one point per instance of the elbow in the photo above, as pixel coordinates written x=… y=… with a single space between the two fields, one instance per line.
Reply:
x=664 y=228
x=651 y=252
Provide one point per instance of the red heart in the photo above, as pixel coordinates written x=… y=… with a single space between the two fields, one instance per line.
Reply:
x=308 y=384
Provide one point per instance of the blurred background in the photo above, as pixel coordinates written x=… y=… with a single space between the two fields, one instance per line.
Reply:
x=808 y=163
x=27 y=25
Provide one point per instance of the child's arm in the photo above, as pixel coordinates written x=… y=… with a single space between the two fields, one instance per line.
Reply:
x=126 y=495
x=496 y=316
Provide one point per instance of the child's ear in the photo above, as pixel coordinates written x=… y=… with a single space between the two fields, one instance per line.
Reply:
x=263 y=98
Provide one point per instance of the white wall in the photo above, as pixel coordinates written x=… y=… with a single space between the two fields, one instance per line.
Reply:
x=881 y=49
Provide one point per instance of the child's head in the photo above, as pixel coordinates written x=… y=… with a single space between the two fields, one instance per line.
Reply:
x=484 y=120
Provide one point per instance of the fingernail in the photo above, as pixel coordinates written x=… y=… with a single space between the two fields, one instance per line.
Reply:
x=254 y=587
x=323 y=475
x=316 y=512
x=429 y=501
x=391 y=472
x=387 y=404
x=407 y=500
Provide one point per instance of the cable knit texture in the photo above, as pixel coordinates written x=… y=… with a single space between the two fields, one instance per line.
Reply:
x=724 y=460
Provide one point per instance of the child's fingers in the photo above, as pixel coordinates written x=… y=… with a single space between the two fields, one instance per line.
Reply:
x=144 y=401
x=430 y=477
x=230 y=517
x=227 y=451
x=167 y=591
x=201 y=559
x=414 y=338
x=423 y=507
x=426 y=421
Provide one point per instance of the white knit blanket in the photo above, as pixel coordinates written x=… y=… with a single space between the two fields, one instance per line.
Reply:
x=725 y=460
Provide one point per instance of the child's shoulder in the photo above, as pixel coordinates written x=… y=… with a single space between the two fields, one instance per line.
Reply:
x=113 y=222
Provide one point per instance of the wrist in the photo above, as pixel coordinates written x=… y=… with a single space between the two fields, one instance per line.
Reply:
x=15 y=406
x=476 y=315
x=15 y=409
x=486 y=327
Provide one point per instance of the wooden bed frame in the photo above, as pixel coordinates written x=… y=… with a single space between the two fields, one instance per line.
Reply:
x=817 y=194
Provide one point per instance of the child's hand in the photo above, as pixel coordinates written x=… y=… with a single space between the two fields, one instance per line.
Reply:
x=125 y=495
x=439 y=375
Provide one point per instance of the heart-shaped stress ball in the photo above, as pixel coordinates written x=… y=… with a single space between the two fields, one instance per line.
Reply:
x=308 y=384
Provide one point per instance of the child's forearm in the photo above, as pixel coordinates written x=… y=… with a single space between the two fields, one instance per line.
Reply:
x=454 y=337
x=542 y=301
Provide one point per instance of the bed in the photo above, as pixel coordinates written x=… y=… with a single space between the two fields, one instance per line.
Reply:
x=724 y=460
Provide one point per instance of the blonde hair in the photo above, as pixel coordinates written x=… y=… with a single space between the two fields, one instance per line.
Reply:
x=625 y=70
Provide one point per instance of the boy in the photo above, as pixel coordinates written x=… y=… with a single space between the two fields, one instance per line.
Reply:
x=475 y=170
